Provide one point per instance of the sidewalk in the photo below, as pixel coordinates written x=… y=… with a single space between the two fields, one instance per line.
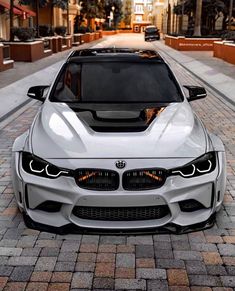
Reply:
x=214 y=72
x=14 y=83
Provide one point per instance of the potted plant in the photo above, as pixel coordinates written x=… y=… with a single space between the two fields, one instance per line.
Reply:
x=60 y=30
x=24 y=33
x=26 y=48
x=46 y=30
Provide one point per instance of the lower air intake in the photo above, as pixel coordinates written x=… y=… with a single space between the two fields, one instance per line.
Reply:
x=190 y=205
x=121 y=213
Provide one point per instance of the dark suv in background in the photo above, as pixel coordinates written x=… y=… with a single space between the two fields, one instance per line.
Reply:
x=151 y=33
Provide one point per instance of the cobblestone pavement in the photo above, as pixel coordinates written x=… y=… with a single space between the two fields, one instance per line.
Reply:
x=204 y=260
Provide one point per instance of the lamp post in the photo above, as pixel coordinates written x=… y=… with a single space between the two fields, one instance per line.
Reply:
x=113 y=8
x=111 y=15
x=182 y=17
x=11 y=19
x=230 y=14
x=68 y=28
x=37 y=18
x=168 y=17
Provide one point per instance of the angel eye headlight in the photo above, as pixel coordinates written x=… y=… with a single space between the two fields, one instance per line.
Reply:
x=37 y=166
x=203 y=165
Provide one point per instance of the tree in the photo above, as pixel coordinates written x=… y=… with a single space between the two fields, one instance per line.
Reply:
x=127 y=12
x=90 y=9
x=117 y=12
x=37 y=4
x=63 y=4
x=198 y=17
x=11 y=19
x=211 y=11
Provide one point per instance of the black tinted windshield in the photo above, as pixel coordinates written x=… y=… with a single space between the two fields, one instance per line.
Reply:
x=114 y=82
x=151 y=29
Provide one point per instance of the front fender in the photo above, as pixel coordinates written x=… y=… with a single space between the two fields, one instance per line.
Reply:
x=217 y=143
x=19 y=142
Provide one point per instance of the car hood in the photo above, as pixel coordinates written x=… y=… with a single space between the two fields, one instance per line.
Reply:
x=176 y=133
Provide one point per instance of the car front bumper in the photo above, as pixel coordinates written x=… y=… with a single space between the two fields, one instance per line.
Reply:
x=32 y=191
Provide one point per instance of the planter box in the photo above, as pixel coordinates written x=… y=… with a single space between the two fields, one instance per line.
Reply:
x=125 y=31
x=225 y=51
x=85 y=37
x=190 y=44
x=97 y=35
x=62 y=45
x=67 y=40
x=5 y=60
x=92 y=36
x=77 y=39
x=109 y=32
x=55 y=44
x=27 y=51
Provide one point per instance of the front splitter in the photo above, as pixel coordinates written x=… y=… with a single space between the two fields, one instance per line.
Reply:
x=169 y=228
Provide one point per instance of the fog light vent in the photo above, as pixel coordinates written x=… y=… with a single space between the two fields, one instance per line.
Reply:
x=49 y=206
x=190 y=205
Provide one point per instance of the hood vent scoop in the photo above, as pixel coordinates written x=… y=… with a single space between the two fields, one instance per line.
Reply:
x=119 y=121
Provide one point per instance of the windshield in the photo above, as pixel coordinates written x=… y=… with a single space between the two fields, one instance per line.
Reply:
x=151 y=29
x=116 y=82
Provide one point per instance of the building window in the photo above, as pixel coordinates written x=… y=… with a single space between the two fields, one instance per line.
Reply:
x=136 y=28
x=138 y=18
x=139 y=8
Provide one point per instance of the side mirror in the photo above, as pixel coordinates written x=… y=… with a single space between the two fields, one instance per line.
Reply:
x=37 y=92
x=196 y=92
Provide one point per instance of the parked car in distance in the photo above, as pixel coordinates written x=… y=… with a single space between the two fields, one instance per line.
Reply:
x=151 y=33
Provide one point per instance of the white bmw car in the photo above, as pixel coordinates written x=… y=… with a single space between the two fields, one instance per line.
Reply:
x=116 y=146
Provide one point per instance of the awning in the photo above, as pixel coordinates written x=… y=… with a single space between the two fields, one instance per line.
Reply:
x=7 y=6
x=25 y=10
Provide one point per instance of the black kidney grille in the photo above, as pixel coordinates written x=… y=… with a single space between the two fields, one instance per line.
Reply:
x=97 y=179
x=144 y=179
x=121 y=213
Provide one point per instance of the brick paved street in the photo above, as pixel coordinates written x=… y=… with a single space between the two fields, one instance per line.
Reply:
x=199 y=261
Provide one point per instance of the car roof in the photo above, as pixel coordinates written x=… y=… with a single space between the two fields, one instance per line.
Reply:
x=112 y=54
x=151 y=26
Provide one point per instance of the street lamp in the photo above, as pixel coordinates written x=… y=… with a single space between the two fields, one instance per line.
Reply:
x=182 y=17
x=111 y=15
x=37 y=18
x=168 y=17
x=67 y=16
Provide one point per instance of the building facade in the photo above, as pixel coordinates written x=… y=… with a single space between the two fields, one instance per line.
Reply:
x=57 y=17
x=24 y=16
x=158 y=12
x=142 y=14
x=179 y=24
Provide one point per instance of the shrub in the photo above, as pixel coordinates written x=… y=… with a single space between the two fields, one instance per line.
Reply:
x=24 y=33
x=107 y=27
x=82 y=29
x=46 y=30
x=228 y=35
x=60 y=30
